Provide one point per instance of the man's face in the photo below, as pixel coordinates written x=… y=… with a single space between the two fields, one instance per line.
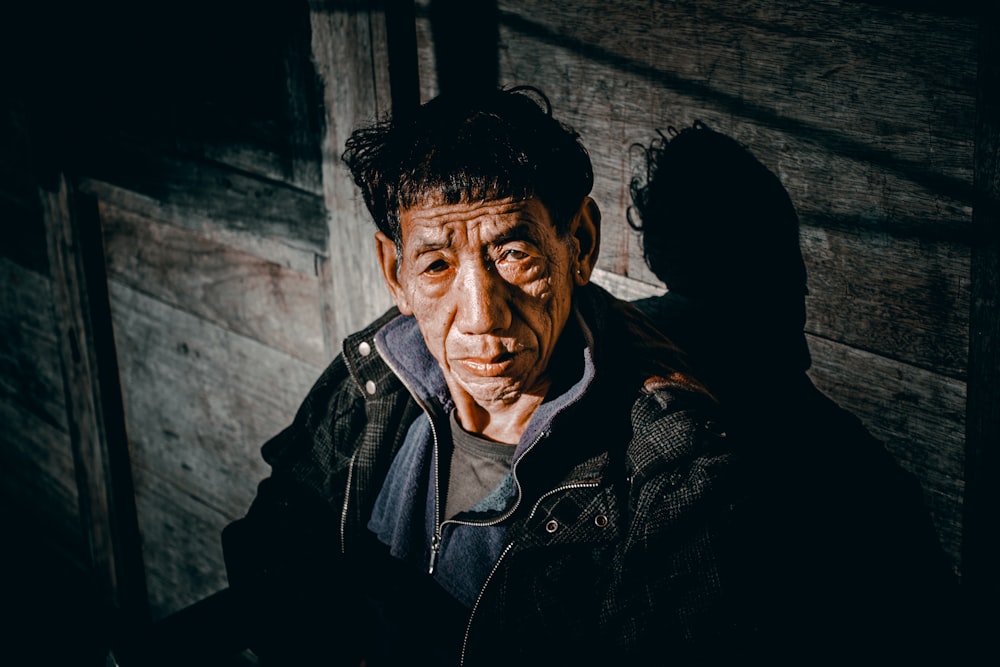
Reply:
x=490 y=285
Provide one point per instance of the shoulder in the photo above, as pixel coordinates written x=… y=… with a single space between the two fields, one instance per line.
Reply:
x=336 y=402
x=632 y=347
x=674 y=426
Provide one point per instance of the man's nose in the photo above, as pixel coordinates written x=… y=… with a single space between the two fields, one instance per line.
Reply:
x=482 y=301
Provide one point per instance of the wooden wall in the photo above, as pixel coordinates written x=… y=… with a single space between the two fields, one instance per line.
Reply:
x=866 y=113
x=238 y=255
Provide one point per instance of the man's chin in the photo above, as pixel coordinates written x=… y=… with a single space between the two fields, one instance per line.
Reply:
x=492 y=391
x=498 y=391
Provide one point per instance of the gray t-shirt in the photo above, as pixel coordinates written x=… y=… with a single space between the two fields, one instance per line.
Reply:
x=477 y=467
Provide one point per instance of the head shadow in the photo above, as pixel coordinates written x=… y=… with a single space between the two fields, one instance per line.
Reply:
x=721 y=232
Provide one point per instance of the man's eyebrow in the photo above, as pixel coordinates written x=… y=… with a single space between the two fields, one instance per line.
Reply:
x=429 y=242
x=430 y=245
x=520 y=232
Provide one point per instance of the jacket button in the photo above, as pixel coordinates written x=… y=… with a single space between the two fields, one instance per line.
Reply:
x=551 y=526
x=365 y=349
x=601 y=520
x=370 y=387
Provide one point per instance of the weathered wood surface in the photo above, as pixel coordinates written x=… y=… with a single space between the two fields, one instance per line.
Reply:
x=904 y=298
x=272 y=304
x=200 y=401
x=349 y=50
x=284 y=147
x=183 y=554
x=864 y=112
x=272 y=217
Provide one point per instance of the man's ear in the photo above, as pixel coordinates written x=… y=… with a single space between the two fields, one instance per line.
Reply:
x=586 y=232
x=388 y=261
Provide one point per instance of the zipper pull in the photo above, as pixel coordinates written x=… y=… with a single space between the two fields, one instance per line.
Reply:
x=435 y=548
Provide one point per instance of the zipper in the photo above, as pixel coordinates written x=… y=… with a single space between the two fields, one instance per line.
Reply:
x=479 y=598
x=347 y=498
x=437 y=537
x=583 y=484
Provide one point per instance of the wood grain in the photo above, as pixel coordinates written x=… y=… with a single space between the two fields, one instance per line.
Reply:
x=200 y=401
x=183 y=548
x=905 y=298
x=239 y=291
x=211 y=198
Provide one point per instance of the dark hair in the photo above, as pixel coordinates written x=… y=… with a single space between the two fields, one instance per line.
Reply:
x=714 y=221
x=487 y=145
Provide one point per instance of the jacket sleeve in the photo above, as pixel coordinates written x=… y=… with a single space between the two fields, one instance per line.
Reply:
x=680 y=570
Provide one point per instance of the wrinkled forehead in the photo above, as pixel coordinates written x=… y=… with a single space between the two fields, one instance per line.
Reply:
x=487 y=221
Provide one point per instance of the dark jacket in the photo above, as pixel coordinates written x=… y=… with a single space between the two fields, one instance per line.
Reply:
x=619 y=553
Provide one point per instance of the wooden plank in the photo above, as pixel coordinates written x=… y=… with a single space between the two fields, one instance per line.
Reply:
x=905 y=298
x=401 y=51
x=426 y=57
x=200 y=399
x=981 y=549
x=920 y=416
x=465 y=41
x=211 y=198
x=349 y=50
x=93 y=401
x=303 y=102
x=274 y=305
x=871 y=82
x=183 y=545
x=271 y=249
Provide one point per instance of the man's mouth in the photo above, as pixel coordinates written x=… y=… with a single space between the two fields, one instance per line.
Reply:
x=488 y=366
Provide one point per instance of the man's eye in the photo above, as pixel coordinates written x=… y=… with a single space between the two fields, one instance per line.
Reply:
x=515 y=255
x=436 y=267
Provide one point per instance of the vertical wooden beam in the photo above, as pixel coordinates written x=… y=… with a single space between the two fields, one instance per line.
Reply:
x=94 y=402
x=466 y=44
x=981 y=539
x=401 y=43
x=350 y=55
x=303 y=104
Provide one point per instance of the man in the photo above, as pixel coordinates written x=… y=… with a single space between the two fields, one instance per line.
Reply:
x=510 y=467
x=843 y=564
